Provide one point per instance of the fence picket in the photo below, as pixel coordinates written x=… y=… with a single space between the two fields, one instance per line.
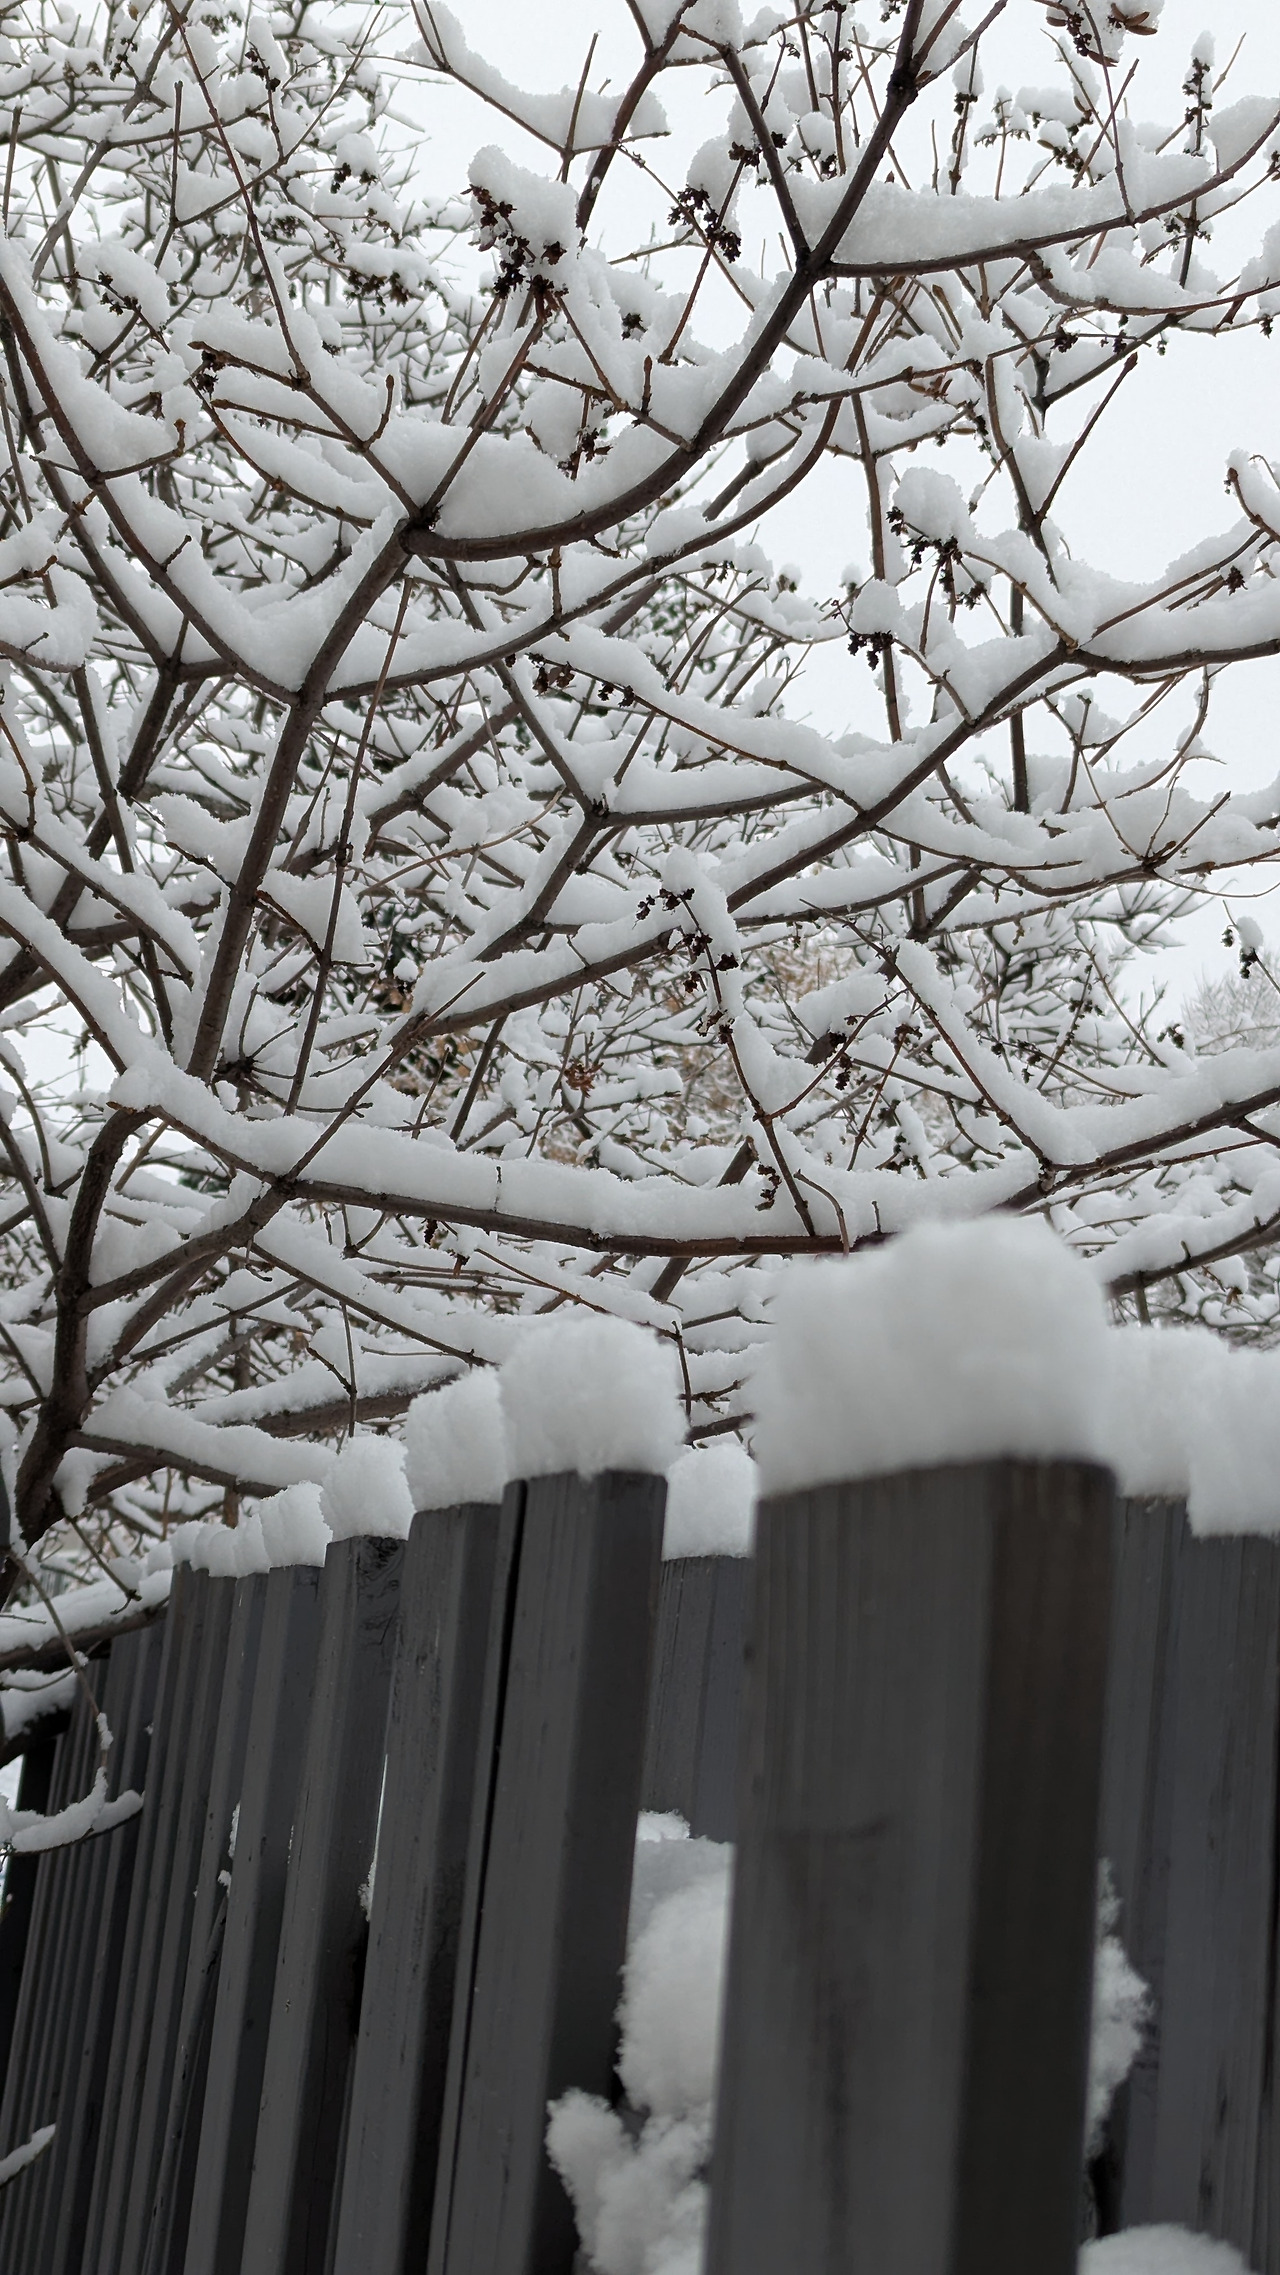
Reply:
x=911 y=1949
x=434 y=1727
x=1189 y=1824
x=691 y=1754
x=46 y=2014
x=129 y=1703
x=173 y=1923
x=163 y=2206
x=278 y=1719
x=315 y=2004
x=549 y=1872
x=169 y=1771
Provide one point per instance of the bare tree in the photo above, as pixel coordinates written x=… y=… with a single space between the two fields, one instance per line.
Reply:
x=424 y=906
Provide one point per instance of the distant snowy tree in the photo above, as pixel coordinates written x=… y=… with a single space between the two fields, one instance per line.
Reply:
x=423 y=904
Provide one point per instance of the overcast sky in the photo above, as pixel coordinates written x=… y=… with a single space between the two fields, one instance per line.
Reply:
x=1149 y=486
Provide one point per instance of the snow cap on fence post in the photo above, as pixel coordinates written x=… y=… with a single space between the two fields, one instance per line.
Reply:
x=589 y=1395
x=962 y=1342
x=1234 y=1465
x=1159 y=1379
x=293 y=1526
x=1194 y=1420
x=456 y=1443
x=365 y=1493
x=711 y=1497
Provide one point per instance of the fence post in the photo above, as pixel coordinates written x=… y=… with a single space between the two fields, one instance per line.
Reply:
x=911 y=1950
x=278 y=1719
x=454 y=1560
x=549 y=1872
x=695 y=1697
x=1189 y=1826
x=315 y=2004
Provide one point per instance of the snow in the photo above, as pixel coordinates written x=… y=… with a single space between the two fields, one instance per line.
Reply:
x=81 y=1609
x=1159 y=1378
x=18 y=2159
x=1160 y=2251
x=711 y=1495
x=670 y=2013
x=28 y=1832
x=641 y=2203
x=1193 y=1419
x=954 y=1343
x=589 y=1395
x=455 y=1443
x=293 y=1526
x=366 y=1492
x=23 y=1707
x=1121 y=2015
x=1234 y=1467
x=640 y=2196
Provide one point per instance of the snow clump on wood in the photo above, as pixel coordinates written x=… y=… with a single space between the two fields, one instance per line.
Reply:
x=590 y=1395
x=711 y=1495
x=1160 y=2251
x=366 y=1493
x=955 y=1343
x=456 y=1443
x=293 y=1526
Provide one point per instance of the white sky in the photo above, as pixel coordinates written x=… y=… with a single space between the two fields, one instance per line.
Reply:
x=1150 y=484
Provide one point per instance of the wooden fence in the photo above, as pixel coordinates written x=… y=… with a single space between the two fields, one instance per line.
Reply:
x=305 y=2013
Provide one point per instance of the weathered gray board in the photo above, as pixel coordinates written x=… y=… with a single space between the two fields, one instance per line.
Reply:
x=436 y=1738
x=911 y=1950
x=154 y=2038
x=315 y=2004
x=695 y=1697
x=1189 y=1826
x=129 y=1704
x=193 y=1606
x=46 y=2006
x=549 y=1870
x=160 y=2205
x=279 y=1714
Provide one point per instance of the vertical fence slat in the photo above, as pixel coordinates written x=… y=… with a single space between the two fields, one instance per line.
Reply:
x=175 y=1912
x=184 y=1628
x=1189 y=1823
x=550 y=1872
x=691 y=1755
x=911 y=1949
x=47 y=2010
x=433 y=1751
x=278 y=1719
x=89 y=1873
x=1219 y=1923
x=1134 y=1820
x=130 y=1705
x=19 y=1893
x=162 y=2215
x=37 y=1990
x=314 y=2010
